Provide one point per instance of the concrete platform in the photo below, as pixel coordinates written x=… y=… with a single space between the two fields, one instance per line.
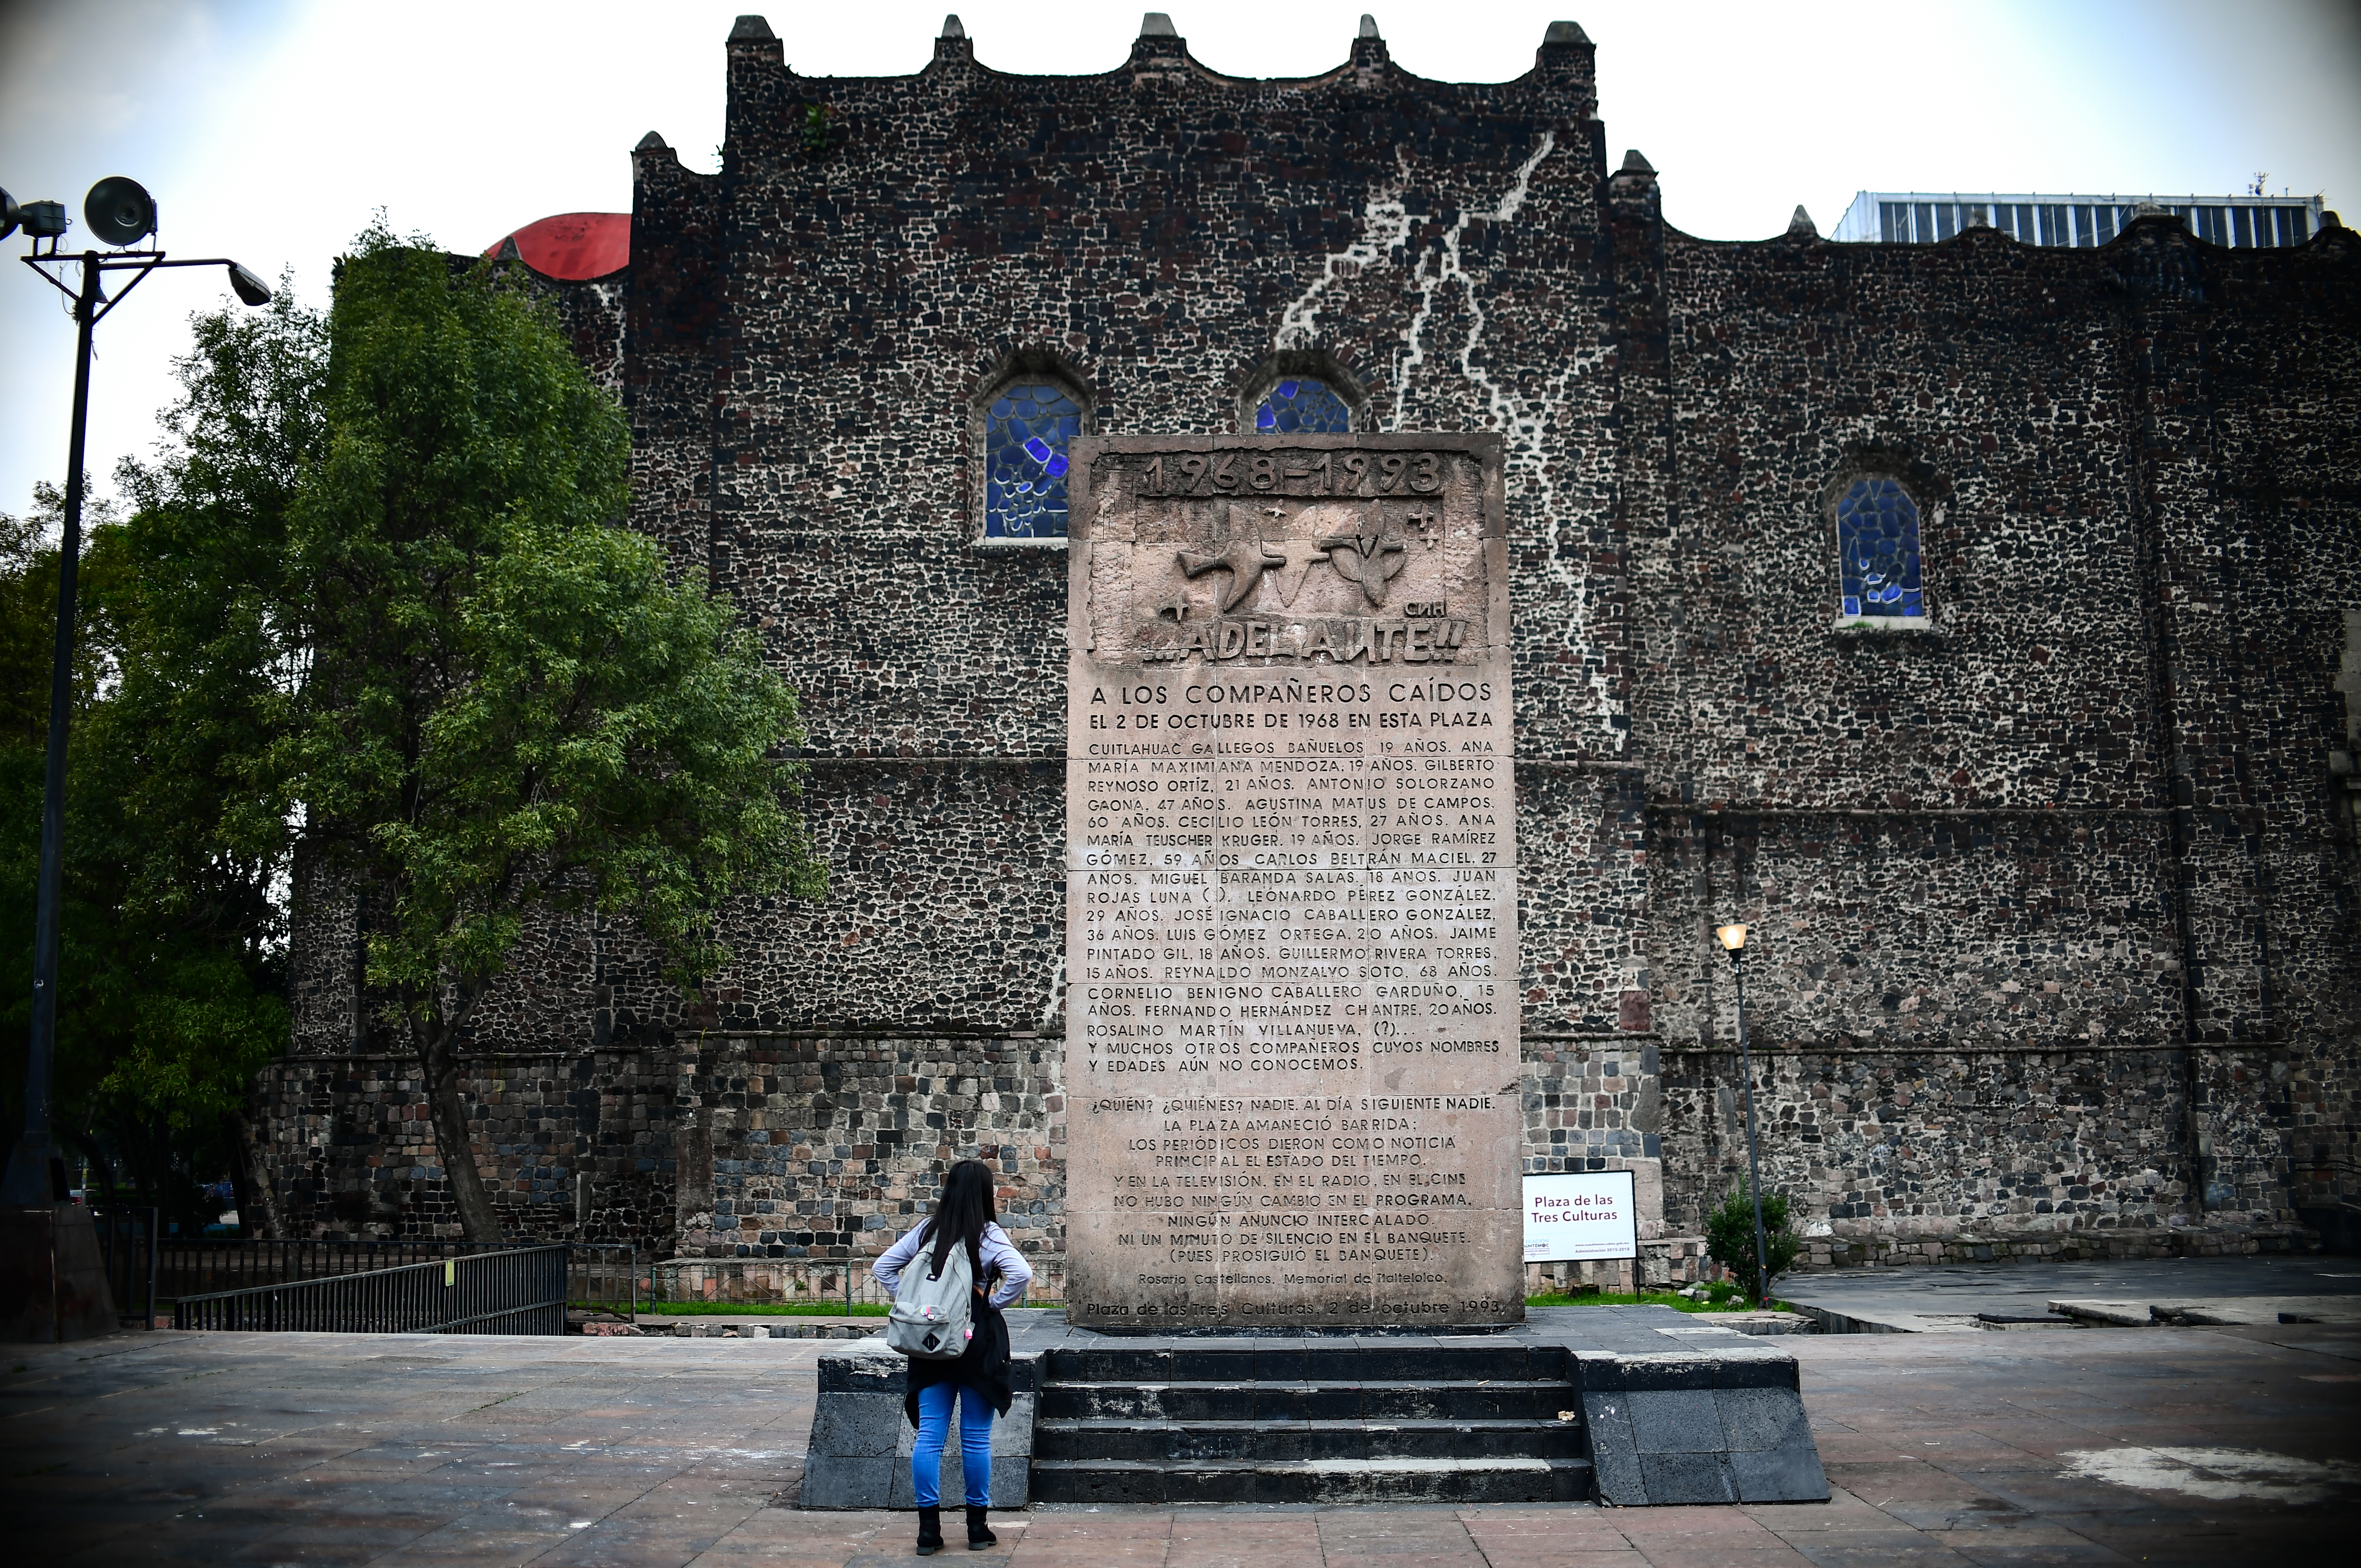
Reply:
x=1948 y=1451
x=1635 y=1405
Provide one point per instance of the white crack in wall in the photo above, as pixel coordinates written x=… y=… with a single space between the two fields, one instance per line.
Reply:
x=1385 y=227
x=1385 y=224
x=1054 y=1010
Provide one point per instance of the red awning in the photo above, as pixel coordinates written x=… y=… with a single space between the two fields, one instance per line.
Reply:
x=572 y=245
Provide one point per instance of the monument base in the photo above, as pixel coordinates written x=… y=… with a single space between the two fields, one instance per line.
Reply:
x=53 y=1279
x=1632 y=1406
x=858 y=1456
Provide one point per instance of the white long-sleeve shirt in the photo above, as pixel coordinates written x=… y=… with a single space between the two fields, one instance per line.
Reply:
x=998 y=1252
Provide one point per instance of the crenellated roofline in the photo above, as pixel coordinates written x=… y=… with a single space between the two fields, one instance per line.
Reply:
x=1566 y=55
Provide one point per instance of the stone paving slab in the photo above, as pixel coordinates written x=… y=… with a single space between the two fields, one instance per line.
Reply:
x=1954 y=1297
x=2215 y=1312
x=330 y=1449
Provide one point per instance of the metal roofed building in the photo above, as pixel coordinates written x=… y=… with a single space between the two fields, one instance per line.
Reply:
x=1921 y=217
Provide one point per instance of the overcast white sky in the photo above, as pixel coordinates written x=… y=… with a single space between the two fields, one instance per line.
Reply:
x=270 y=129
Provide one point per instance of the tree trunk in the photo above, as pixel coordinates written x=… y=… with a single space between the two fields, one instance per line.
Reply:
x=479 y=1220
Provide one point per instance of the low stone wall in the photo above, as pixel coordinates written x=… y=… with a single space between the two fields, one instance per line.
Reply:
x=785 y=1160
x=350 y=1152
x=769 y=1280
x=1895 y=1159
x=806 y=1149
x=2215 y=1240
x=1934 y=1141
x=788 y=1329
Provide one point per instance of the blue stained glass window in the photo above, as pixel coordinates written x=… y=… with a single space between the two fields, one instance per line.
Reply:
x=1024 y=436
x=1877 y=544
x=1300 y=406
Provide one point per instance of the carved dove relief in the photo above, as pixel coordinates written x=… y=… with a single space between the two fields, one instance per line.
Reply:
x=1240 y=552
x=1370 y=559
x=1303 y=554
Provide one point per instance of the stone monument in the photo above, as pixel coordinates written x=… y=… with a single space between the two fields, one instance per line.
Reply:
x=1291 y=1011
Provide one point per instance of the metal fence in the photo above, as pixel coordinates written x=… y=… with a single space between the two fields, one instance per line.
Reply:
x=519 y=1291
x=603 y=1276
x=198 y=1266
x=126 y=1246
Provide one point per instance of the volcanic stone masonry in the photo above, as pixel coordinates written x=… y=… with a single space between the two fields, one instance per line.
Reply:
x=2053 y=881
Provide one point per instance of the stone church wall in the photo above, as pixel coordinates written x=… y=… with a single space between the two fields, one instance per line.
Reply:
x=2001 y=871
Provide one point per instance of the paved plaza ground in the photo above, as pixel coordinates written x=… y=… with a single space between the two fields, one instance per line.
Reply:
x=2166 y=1446
x=1946 y=1296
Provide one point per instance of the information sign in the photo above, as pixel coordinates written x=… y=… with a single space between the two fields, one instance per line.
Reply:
x=1581 y=1217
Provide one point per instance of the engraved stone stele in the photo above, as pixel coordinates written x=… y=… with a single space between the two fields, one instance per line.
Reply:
x=1292 y=1053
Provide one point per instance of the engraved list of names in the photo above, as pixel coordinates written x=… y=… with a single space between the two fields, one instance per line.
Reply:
x=1292 y=1053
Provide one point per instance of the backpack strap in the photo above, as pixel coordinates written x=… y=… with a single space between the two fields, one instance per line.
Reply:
x=926 y=1257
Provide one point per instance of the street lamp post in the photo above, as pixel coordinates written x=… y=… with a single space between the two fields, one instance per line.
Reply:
x=122 y=214
x=1733 y=937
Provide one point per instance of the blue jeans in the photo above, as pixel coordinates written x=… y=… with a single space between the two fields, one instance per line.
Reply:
x=975 y=1444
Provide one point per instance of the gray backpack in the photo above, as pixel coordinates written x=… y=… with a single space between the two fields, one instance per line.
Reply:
x=933 y=1313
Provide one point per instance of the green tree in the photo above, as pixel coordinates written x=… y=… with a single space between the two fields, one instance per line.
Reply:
x=166 y=1005
x=201 y=659
x=28 y=596
x=419 y=639
x=1730 y=1239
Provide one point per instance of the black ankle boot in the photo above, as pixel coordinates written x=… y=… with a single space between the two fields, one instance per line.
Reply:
x=979 y=1534
x=931 y=1531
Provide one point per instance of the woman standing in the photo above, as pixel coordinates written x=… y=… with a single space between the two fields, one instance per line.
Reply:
x=965 y=1216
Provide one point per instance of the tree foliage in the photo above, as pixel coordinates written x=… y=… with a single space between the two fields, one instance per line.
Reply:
x=509 y=705
x=390 y=623
x=373 y=625
x=172 y=977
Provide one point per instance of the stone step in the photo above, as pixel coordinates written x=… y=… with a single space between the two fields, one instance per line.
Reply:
x=1292 y=1360
x=1325 y=1420
x=1324 y=1481
x=1272 y=1441
x=1301 y=1400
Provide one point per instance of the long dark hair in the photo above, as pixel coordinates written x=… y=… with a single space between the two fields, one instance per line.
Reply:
x=962 y=1212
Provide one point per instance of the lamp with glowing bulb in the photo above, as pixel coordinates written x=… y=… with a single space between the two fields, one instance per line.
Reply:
x=1733 y=937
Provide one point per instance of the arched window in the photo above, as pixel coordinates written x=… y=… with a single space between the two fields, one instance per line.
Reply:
x=1300 y=405
x=1877 y=551
x=1026 y=428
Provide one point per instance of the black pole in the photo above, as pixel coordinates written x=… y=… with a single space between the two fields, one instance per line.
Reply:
x=30 y=1178
x=1753 y=1162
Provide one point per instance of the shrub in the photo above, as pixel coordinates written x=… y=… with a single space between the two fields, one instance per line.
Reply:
x=1730 y=1239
